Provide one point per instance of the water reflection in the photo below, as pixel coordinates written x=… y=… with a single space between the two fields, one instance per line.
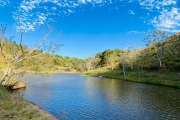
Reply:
x=141 y=100
x=80 y=97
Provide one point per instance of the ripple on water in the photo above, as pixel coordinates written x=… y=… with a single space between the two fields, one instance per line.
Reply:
x=71 y=96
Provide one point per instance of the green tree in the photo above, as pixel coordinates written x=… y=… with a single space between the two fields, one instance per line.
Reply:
x=105 y=56
x=154 y=39
x=112 y=57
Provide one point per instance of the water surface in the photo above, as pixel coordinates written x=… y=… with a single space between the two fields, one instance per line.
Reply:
x=72 y=96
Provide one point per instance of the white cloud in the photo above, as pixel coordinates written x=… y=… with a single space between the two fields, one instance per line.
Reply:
x=24 y=7
x=94 y=1
x=168 y=2
x=131 y=12
x=151 y=4
x=82 y=1
x=165 y=19
x=70 y=11
x=168 y=20
x=54 y=8
x=136 y=32
x=28 y=15
x=167 y=15
x=89 y=0
x=4 y=2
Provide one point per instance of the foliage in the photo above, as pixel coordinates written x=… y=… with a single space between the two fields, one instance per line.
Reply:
x=170 y=79
x=42 y=63
x=14 y=54
x=158 y=63
x=161 y=53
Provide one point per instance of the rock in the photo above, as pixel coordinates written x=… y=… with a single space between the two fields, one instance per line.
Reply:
x=18 y=85
x=18 y=90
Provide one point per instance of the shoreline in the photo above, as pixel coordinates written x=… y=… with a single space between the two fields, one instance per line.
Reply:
x=43 y=112
x=170 y=79
x=16 y=107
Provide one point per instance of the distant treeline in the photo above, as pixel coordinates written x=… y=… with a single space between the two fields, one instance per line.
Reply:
x=161 y=53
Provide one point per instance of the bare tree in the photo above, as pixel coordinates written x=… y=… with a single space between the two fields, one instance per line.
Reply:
x=111 y=59
x=131 y=55
x=91 y=63
x=142 y=56
x=123 y=60
x=155 y=39
x=14 y=54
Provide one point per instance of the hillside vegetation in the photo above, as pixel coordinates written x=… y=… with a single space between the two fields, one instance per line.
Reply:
x=157 y=63
x=42 y=63
x=161 y=55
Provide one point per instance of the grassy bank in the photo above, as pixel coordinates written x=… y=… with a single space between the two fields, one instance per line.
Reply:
x=170 y=79
x=16 y=108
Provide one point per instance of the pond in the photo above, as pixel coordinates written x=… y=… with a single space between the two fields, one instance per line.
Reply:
x=72 y=96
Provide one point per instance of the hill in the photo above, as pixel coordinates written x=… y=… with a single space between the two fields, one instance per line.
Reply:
x=157 y=63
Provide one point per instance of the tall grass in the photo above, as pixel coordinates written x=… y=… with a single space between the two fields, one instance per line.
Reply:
x=170 y=79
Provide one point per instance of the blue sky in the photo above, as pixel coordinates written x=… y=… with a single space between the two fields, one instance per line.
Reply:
x=87 y=27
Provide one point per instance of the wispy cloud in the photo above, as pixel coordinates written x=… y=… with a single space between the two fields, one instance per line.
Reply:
x=156 y=4
x=167 y=15
x=54 y=8
x=26 y=11
x=168 y=20
x=131 y=12
x=4 y=2
x=136 y=32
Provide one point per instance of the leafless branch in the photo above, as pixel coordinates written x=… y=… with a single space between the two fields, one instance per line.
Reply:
x=21 y=34
x=2 y=30
x=20 y=53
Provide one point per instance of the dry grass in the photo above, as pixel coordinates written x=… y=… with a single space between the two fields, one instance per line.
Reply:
x=170 y=79
x=16 y=108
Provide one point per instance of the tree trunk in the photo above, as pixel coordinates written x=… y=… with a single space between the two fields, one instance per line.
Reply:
x=112 y=65
x=124 y=72
x=131 y=65
x=89 y=69
x=6 y=76
x=159 y=59
x=4 y=80
x=89 y=66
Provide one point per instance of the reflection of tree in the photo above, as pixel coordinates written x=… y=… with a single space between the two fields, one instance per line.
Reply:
x=112 y=89
x=141 y=101
x=38 y=88
x=160 y=101
x=146 y=101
